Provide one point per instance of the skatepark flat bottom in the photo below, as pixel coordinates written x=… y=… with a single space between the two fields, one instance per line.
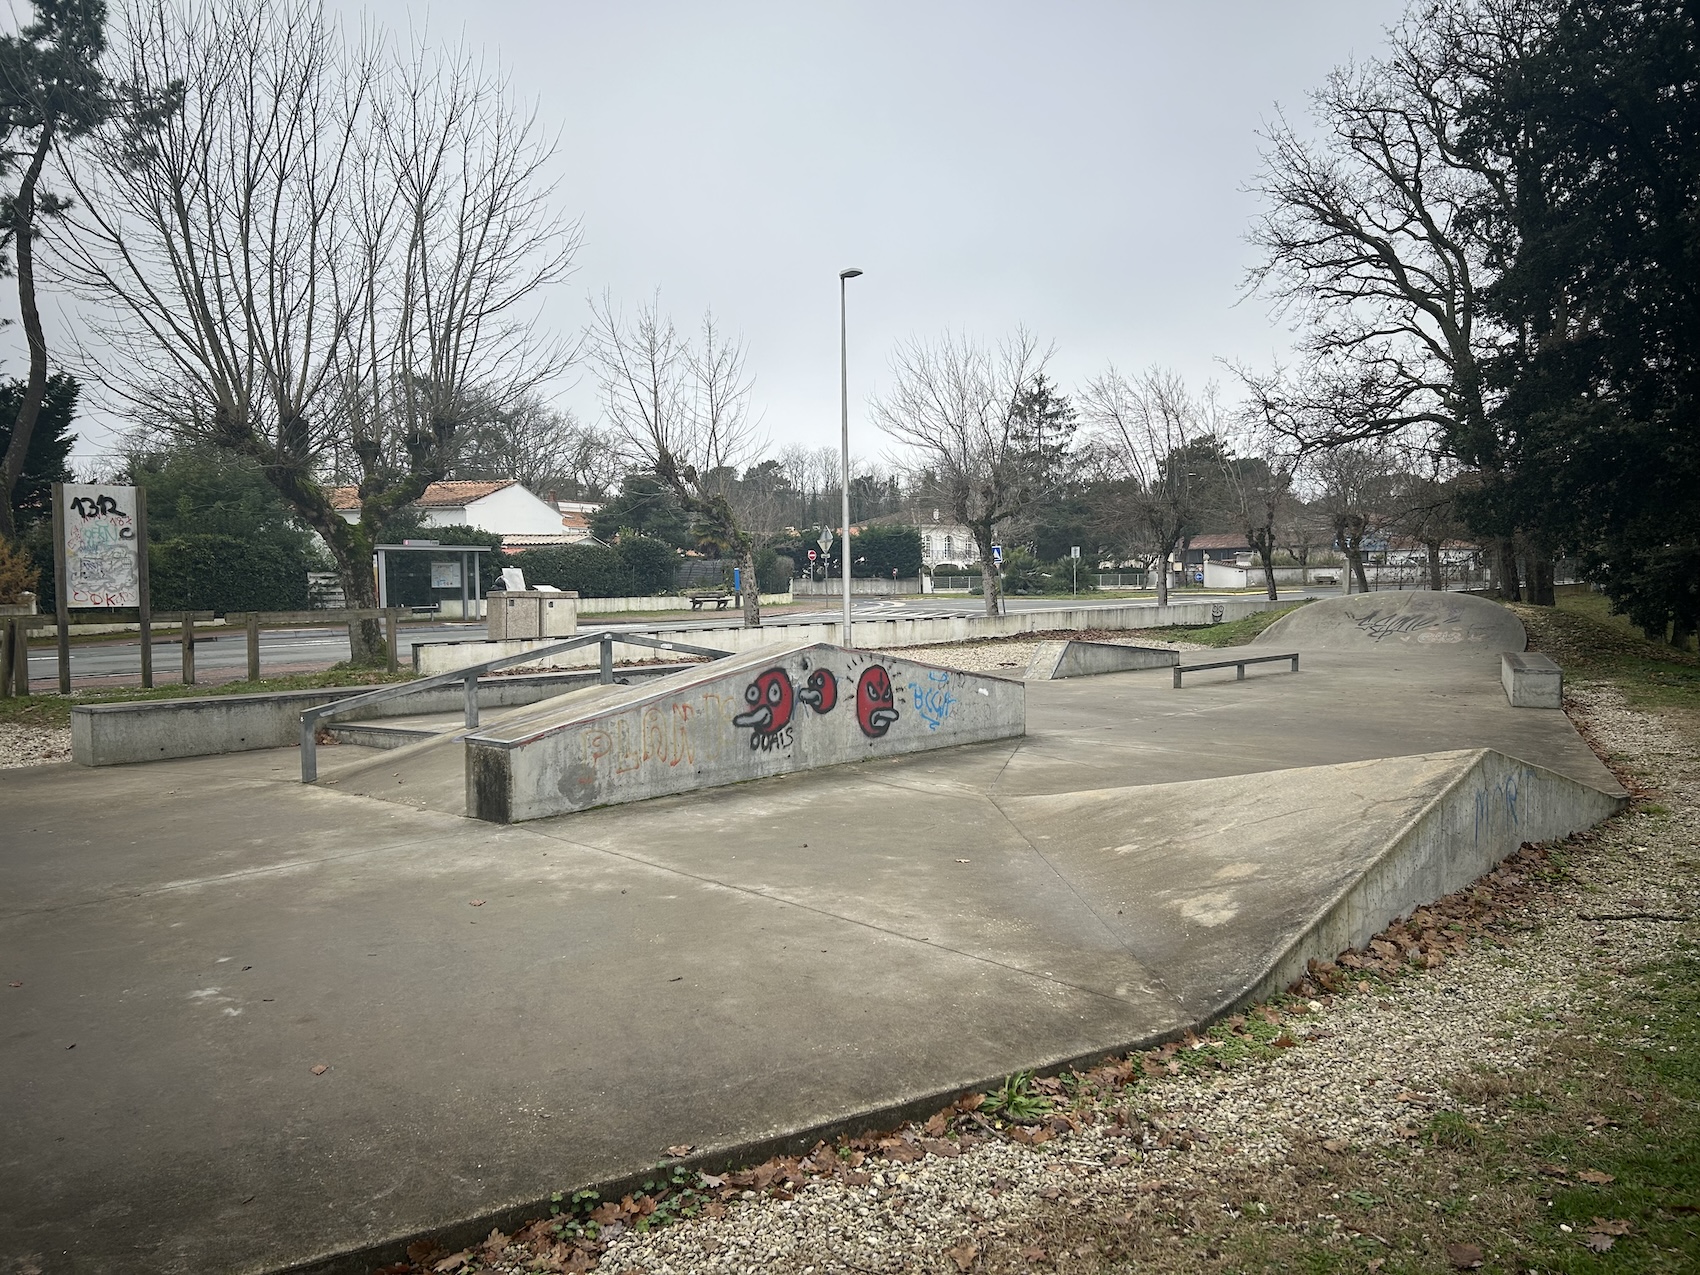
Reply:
x=507 y=1011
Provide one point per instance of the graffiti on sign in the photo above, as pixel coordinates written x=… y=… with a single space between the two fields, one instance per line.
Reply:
x=100 y=546
x=876 y=705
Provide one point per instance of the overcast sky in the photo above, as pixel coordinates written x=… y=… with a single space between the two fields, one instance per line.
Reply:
x=1075 y=167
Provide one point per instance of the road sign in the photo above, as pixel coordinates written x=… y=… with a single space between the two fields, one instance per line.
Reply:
x=997 y=553
x=812 y=555
x=1074 y=552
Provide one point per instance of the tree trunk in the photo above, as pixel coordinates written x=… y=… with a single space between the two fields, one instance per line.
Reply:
x=990 y=584
x=1540 y=578
x=1505 y=581
x=1355 y=563
x=1266 y=551
x=365 y=637
x=1436 y=573
x=23 y=226
x=752 y=592
x=1162 y=568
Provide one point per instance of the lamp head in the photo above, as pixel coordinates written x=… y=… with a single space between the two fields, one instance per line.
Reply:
x=848 y=274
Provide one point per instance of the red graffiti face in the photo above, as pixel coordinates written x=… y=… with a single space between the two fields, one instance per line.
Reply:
x=876 y=707
x=771 y=700
x=821 y=692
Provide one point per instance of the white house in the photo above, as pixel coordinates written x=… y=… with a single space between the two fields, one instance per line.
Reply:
x=503 y=506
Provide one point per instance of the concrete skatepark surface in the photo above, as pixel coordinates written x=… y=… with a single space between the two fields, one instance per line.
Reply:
x=712 y=968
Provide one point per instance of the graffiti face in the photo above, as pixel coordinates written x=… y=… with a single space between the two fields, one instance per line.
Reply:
x=876 y=707
x=771 y=699
x=821 y=692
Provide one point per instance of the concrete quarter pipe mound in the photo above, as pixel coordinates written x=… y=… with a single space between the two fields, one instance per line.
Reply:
x=1420 y=621
x=770 y=712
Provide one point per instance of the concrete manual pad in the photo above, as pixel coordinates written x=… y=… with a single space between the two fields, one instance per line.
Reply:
x=510 y=1010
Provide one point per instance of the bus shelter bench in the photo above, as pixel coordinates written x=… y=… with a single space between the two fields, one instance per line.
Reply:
x=721 y=600
x=1238 y=665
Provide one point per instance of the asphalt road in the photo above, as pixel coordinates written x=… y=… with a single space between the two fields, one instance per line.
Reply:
x=222 y=655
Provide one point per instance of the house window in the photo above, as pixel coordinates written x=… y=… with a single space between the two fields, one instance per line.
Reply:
x=949 y=550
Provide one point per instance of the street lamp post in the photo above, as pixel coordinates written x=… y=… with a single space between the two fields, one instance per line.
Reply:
x=844 y=403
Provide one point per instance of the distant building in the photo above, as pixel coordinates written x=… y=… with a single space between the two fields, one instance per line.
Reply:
x=504 y=507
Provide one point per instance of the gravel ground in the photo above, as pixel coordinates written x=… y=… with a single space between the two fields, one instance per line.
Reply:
x=1364 y=1069
x=33 y=745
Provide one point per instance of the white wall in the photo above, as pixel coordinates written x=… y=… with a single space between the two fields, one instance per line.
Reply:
x=513 y=511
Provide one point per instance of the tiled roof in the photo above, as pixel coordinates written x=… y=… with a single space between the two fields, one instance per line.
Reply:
x=1216 y=540
x=449 y=495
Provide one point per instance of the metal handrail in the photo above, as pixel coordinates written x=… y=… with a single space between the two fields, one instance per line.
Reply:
x=468 y=676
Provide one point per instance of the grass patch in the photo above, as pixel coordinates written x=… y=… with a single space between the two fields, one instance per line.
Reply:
x=1230 y=633
x=1592 y=644
x=55 y=710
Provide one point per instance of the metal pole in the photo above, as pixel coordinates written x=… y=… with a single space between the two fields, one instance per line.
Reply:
x=144 y=611
x=392 y=636
x=844 y=276
x=253 y=646
x=188 y=674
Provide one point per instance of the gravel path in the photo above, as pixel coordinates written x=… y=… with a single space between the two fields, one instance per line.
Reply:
x=1362 y=1071
x=33 y=745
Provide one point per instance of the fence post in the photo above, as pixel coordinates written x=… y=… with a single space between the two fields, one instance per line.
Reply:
x=8 y=635
x=471 y=688
x=21 y=656
x=607 y=645
x=253 y=646
x=392 y=623
x=188 y=648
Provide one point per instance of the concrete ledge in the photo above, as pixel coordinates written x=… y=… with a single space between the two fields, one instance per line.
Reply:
x=772 y=712
x=1088 y=659
x=1531 y=680
x=204 y=726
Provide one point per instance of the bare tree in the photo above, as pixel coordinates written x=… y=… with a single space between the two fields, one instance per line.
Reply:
x=684 y=410
x=319 y=260
x=1424 y=509
x=545 y=448
x=52 y=92
x=1374 y=237
x=1257 y=473
x=959 y=406
x=1354 y=482
x=1160 y=447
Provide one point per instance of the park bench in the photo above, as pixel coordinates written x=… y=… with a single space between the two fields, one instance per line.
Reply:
x=1237 y=664
x=721 y=600
x=425 y=610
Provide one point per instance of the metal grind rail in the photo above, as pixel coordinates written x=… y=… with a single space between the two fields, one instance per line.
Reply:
x=1237 y=664
x=468 y=676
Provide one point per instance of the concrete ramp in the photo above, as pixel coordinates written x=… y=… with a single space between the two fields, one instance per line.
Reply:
x=1422 y=621
x=1224 y=888
x=770 y=712
x=1087 y=659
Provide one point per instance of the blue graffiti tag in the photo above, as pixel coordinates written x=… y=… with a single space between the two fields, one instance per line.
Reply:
x=932 y=701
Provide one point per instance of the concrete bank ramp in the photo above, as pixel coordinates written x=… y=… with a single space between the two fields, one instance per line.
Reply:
x=770 y=712
x=1420 y=621
x=1087 y=659
x=1223 y=888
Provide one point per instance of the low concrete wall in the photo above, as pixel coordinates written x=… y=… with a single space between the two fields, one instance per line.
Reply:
x=662 y=602
x=1088 y=659
x=876 y=635
x=204 y=726
x=768 y=713
x=1495 y=804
